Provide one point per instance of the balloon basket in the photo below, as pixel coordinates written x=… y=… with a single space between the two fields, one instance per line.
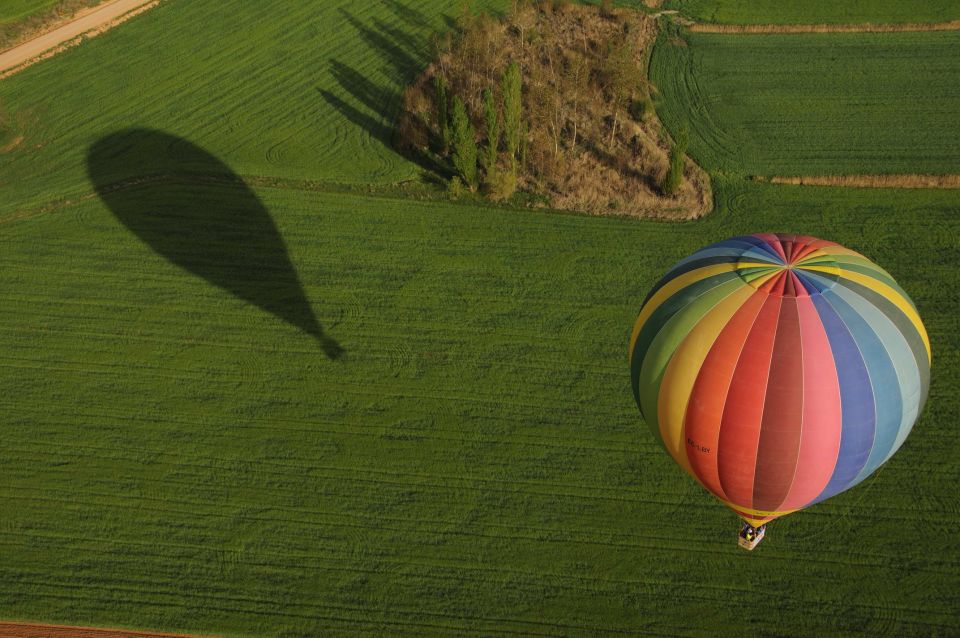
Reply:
x=750 y=544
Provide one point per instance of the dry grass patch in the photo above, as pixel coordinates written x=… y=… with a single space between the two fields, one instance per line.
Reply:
x=13 y=127
x=703 y=27
x=13 y=143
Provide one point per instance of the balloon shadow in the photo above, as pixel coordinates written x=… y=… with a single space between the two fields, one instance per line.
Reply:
x=190 y=208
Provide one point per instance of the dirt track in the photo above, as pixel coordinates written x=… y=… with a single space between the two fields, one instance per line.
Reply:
x=96 y=21
x=873 y=181
x=27 y=630
x=703 y=27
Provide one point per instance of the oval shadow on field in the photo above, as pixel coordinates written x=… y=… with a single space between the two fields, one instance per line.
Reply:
x=190 y=208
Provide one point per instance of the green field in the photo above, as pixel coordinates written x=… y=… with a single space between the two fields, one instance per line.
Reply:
x=309 y=91
x=176 y=453
x=816 y=11
x=173 y=457
x=816 y=103
x=13 y=10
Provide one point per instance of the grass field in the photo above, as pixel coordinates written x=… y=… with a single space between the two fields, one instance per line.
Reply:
x=173 y=457
x=816 y=103
x=816 y=11
x=13 y=10
x=178 y=453
x=309 y=91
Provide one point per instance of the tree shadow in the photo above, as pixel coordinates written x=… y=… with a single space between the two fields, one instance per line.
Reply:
x=376 y=106
x=403 y=53
x=368 y=116
x=411 y=16
x=191 y=209
x=611 y=161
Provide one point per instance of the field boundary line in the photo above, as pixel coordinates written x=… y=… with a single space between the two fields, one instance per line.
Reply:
x=871 y=181
x=905 y=181
x=66 y=36
x=390 y=190
x=14 y=629
x=900 y=181
x=865 y=27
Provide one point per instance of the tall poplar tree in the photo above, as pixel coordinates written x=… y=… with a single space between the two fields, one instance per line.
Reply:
x=464 y=144
x=511 y=90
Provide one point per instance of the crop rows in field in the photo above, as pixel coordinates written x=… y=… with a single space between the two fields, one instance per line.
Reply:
x=816 y=11
x=176 y=459
x=814 y=104
x=306 y=91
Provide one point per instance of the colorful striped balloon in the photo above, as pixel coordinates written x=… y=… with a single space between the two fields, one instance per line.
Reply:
x=779 y=370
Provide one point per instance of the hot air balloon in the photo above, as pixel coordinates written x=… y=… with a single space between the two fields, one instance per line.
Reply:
x=778 y=370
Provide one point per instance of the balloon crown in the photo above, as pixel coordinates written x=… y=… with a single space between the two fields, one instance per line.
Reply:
x=788 y=265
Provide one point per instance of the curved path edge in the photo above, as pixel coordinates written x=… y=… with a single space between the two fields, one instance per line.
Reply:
x=48 y=44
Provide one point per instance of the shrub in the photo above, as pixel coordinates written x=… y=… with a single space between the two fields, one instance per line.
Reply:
x=674 y=177
x=456 y=187
x=501 y=184
x=641 y=109
x=606 y=9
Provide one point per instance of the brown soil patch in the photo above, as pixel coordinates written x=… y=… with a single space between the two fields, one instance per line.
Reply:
x=12 y=144
x=702 y=27
x=68 y=33
x=32 y=630
x=873 y=181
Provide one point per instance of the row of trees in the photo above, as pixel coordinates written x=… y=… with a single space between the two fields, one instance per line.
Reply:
x=494 y=164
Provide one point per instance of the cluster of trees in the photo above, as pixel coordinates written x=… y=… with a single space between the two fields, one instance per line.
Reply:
x=551 y=97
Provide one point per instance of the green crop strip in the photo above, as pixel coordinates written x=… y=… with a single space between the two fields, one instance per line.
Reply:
x=816 y=104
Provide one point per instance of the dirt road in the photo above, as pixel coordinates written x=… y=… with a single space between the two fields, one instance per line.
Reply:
x=873 y=181
x=95 y=21
x=703 y=27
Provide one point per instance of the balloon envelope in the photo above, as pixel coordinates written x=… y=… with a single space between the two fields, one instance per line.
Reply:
x=779 y=370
